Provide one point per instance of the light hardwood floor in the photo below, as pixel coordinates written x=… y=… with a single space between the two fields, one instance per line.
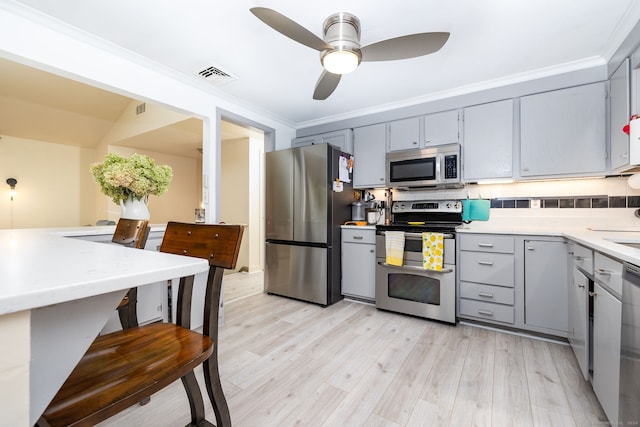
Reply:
x=289 y=363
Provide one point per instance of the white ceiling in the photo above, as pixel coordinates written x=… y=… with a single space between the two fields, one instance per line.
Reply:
x=491 y=41
x=45 y=107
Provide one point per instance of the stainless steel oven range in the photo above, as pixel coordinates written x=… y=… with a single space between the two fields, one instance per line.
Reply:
x=410 y=289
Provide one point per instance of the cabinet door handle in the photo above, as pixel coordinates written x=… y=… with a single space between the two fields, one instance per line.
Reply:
x=485 y=245
x=485 y=294
x=603 y=271
x=581 y=286
x=530 y=248
x=372 y=251
x=485 y=312
x=485 y=262
x=358 y=237
x=415 y=142
x=426 y=141
x=593 y=294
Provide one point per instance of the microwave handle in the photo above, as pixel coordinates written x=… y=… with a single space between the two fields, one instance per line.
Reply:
x=438 y=174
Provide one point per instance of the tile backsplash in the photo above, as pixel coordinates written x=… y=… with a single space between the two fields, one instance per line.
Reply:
x=612 y=192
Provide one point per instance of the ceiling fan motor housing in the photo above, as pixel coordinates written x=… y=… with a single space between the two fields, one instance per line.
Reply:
x=342 y=32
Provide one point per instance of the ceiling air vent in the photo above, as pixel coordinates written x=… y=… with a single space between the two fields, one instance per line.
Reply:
x=141 y=108
x=215 y=75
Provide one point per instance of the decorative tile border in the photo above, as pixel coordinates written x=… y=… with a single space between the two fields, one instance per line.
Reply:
x=582 y=202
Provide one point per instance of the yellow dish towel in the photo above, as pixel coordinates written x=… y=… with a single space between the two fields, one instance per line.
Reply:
x=432 y=251
x=394 y=245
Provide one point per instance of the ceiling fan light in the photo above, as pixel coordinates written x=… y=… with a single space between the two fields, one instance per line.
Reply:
x=340 y=61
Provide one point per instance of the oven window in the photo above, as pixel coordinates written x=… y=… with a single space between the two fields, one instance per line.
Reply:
x=415 y=288
x=413 y=245
x=413 y=170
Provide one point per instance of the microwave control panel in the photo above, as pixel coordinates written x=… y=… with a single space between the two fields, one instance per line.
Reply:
x=451 y=166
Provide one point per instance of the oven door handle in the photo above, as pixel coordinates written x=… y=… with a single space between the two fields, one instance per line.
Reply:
x=409 y=267
x=419 y=235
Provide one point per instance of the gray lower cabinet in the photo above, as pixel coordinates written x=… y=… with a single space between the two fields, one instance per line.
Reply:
x=581 y=264
x=607 y=321
x=369 y=150
x=607 y=313
x=563 y=132
x=513 y=280
x=359 y=263
x=545 y=285
x=486 y=267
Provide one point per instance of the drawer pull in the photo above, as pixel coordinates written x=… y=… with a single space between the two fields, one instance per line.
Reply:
x=485 y=262
x=485 y=295
x=485 y=245
x=358 y=237
x=593 y=294
x=603 y=271
x=485 y=312
x=581 y=286
x=579 y=258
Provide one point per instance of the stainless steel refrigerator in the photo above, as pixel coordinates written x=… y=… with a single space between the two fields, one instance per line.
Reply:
x=303 y=218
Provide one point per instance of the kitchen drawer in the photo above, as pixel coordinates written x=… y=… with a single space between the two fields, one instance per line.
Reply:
x=488 y=293
x=487 y=243
x=608 y=272
x=487 y=311
x=582 y=257
x=492 y=269
x=350 y=235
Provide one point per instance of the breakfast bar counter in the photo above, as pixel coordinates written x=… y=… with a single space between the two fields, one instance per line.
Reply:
x=56 y=294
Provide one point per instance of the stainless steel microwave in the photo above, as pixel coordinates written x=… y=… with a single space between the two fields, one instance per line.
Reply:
x=429 y=167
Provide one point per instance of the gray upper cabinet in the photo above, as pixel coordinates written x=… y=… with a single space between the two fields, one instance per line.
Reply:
x=488 y=141
x=369 y=149
x=441 y=128
x=342 y=139
x=305 y=140
x=620 y=108
x=405 y=134
x=562 y=132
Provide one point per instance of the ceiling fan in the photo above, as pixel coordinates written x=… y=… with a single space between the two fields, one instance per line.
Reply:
x=340 y=51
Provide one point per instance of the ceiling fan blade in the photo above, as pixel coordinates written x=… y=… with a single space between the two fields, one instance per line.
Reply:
x=404 y=47
x=289 y=28
x=326 y=84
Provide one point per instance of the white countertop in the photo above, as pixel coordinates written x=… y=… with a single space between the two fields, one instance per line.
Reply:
x=602 y=239
x=39 y=267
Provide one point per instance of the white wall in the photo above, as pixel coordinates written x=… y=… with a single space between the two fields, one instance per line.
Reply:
x=49 y=181
x=241 y=196
x=36 y=40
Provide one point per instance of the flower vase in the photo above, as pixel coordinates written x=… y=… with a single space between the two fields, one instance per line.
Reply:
x=133 y=208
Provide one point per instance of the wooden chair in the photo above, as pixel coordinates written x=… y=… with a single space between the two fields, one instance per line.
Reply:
x=132 y=233
x=122 y=368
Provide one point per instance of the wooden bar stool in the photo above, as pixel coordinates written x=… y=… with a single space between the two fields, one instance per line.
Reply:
x=122 y=368
x=132 y=233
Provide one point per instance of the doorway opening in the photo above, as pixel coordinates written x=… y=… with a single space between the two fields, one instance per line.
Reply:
x=242 y=199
